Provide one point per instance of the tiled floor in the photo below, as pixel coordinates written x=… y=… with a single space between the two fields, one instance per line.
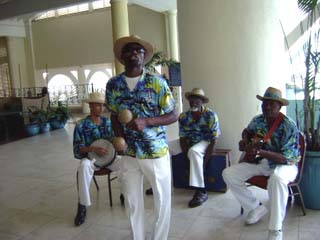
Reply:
x=38 y=202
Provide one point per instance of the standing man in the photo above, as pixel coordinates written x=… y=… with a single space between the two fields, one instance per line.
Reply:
x=150 y=100
x=198 y=132
x=86 y=131
x=275 y=154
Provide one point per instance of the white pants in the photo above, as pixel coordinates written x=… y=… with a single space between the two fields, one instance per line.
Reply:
x=158 y=173
x=236 y=175
x=195 y=155
x=85 y=174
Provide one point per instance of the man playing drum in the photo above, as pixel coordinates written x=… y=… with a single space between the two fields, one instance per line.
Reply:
x=86 y=132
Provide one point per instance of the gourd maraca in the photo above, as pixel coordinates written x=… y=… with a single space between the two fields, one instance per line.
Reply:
x=125 y=116
x=119 y=144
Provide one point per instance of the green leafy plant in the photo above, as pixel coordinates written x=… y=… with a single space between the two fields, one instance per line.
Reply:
x=37 y=116
x=159 y=58
x=60 y=113
x=310 y=78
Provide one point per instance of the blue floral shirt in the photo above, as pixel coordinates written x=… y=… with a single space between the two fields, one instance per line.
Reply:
x=150 y=98
x=284 y=140
x=86 y=132
x=206 y=128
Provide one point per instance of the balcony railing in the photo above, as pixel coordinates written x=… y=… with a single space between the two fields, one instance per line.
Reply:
x=72 y=95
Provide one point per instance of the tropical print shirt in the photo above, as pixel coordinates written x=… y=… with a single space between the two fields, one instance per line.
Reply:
x=86 y=132
x=284 y=140
x=151 y=97
x=205 y=128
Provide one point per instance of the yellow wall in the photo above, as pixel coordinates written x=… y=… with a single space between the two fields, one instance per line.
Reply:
x=86 y=38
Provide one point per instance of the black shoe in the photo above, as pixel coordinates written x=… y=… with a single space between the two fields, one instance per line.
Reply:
x=149 y=191
x=122 y=199
x=198 y=199
x=81 y=215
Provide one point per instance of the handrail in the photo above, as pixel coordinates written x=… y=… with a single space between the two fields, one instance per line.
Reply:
x=71 y=95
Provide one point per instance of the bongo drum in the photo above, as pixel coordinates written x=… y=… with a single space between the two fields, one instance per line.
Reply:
x=107 y=159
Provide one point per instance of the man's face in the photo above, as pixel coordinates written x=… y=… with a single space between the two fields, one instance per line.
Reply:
x=195 y=103
x=96 y=109
x=133 y=54
x=270 y=108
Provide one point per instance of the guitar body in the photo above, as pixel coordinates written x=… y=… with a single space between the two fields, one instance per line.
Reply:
x=255 y=144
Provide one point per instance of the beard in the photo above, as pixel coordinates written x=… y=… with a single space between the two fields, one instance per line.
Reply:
x=195 y=109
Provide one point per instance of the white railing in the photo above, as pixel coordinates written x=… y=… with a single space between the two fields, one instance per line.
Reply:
x=71 y=95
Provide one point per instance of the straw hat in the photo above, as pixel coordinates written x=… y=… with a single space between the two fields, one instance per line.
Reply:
x=121 y=42
x=197 y=92
x=273 y=94
x=95 y=97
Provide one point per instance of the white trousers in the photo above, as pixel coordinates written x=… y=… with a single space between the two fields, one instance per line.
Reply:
x=158 y=173
x=195 y=155
x=85 y=174
x=236 y=175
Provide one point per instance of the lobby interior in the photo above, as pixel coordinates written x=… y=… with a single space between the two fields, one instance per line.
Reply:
x=38 y=194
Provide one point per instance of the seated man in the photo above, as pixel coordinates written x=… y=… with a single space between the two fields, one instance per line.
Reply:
x=198 y=131
x=270 y=146
x=86 y=131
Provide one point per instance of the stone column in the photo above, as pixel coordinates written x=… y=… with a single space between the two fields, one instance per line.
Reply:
x=120 y=24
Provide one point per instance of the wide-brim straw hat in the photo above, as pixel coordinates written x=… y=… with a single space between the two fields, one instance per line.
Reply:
x=121 y=42
x=275 y=95
x=95 y=97
x=198 y=92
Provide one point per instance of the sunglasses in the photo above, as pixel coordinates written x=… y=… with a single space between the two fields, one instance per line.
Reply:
x=132 y=48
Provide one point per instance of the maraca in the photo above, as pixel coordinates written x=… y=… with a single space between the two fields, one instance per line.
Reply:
x=125 y=116
x=119 y=144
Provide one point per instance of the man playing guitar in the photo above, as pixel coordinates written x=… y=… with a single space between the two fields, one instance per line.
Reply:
x=270 y=148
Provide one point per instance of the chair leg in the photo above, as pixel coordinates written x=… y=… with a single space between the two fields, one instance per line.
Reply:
x=291 y=195
x=78 y=186
x=109 y=187
x=301 y=201
x=95 y=182
x=241 y=211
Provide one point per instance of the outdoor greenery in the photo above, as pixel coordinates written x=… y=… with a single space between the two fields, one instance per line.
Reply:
x=60 y=113
x=310 y=78
x=158 y=58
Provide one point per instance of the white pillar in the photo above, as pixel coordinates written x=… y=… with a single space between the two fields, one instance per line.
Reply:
x=120 y=24
x=172 y=34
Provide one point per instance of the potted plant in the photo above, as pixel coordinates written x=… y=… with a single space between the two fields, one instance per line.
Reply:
x=59 y=116
x=43 y=119
x=310 y=122
x=157 y=59
x=33 y=126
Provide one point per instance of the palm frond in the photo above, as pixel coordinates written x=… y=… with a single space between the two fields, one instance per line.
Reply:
x=159 y=58
x=307 y=5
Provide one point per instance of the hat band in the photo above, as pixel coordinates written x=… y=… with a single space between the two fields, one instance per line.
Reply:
x=272 y=95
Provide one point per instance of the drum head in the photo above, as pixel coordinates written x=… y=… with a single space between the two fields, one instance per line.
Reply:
x=108 y=158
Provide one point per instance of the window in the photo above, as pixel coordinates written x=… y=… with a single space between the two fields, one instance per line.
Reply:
x=5 y=83
x=99 y=80
x=61 y=88
x=74 y=9
x=72 y=85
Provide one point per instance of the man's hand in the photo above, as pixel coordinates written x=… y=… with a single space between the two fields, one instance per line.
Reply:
x=242 y=145
x=99 y=151
x=137 y=124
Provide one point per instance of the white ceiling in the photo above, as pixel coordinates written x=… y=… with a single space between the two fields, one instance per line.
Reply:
x=19 y=8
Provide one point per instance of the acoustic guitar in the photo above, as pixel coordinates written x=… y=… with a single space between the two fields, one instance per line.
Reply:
x=255 y=142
